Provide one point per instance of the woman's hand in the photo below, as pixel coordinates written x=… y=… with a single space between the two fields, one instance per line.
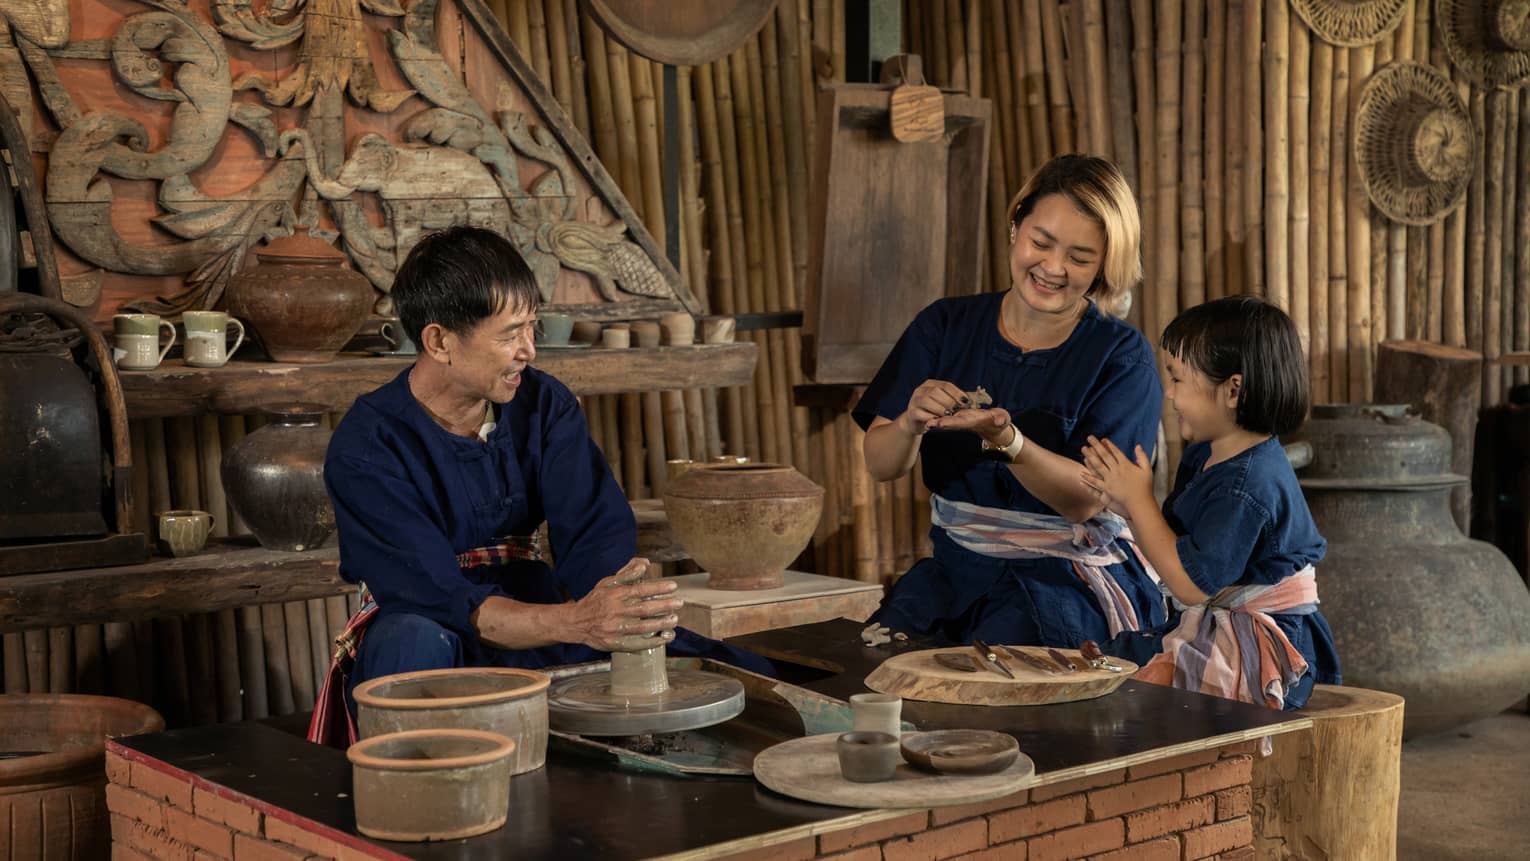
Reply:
x=931 y=401
x=1121 y=485
x=993 y=425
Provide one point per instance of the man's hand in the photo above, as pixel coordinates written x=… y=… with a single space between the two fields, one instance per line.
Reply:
x=1121 y=485
x=627 y=612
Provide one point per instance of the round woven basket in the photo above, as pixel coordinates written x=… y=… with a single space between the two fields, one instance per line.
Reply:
x=1414 y=143
x=1488 y=40
x=1351 y=23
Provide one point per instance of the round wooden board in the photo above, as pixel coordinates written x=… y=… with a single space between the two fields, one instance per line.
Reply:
x=916 y=676
x=808 y=768
x=681 y=32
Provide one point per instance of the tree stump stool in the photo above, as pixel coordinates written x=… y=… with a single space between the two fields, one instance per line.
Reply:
x=1331 y=792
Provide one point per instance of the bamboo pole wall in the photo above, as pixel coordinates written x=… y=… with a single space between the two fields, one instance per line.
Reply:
x=1232 y=121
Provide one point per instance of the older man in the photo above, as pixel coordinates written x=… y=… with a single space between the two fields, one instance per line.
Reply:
x=441 y=478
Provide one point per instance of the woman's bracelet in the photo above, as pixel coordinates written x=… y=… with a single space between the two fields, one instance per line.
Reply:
x=1011 y=449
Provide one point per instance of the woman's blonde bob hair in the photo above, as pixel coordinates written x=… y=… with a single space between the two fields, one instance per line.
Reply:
x=1099 y=190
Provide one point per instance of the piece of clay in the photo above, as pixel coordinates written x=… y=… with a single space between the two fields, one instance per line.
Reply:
x=976 y=399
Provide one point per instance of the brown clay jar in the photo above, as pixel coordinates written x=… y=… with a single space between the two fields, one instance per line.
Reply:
x=274 y=479
x=744 y=523
x=302 y=301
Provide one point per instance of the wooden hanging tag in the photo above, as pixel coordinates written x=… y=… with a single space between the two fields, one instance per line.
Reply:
x=918 y=111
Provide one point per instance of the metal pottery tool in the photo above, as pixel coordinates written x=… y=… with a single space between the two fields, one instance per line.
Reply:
x=991 y=659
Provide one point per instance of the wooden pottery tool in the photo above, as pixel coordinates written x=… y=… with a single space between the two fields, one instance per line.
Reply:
x=926 y=676
x=991 y=659
x=960 y=662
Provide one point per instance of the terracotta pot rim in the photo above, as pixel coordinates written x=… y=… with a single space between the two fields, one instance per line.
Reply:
x=364 y=692
x=37 y=768
x=359 y=753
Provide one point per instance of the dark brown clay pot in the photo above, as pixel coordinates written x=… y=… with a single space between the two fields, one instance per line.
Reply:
x=431 y=784
x=274 y=479
x=744 y=523
x=53 y=771
x=1379 y=488
x=302 y=301
x=504 y=700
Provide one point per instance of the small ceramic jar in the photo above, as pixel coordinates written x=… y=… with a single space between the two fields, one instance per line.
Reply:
x=868 y=757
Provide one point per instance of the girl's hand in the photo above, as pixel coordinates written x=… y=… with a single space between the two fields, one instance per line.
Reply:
x=1119 y=483
x=931 y=401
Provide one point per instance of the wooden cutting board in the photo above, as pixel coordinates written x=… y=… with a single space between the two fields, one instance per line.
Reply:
x=917 y=676
x=808 y=768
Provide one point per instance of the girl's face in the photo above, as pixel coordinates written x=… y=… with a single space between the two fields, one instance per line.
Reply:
x=1207 y=411
x=1055 y=255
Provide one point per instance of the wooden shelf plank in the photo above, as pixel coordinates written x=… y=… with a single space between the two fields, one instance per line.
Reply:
x=242 y=387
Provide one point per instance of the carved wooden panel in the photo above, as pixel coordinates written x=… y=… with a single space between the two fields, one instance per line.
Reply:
x=174 y=137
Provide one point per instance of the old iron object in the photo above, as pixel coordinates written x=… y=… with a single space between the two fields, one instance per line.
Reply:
x=1417 y=608
x=274 y=479
x=301 y=300
x=65 y=493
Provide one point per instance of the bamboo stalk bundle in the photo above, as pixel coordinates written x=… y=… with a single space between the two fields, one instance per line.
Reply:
x=722 y=81
x=252 y=663
x=819 y=24
x=1492 y=260
x=1521 y=245
x=1056 y=63
x=1118 y=58
x=142 y=516
x=121 y=661
x=1253 y=165
x=1001 y=81
x=1321 y=149
x=937 y=44
x=60 y=660
x=35 y=646
x=1080 y=86
x=174 y=691
x=1033 y=71
x=1476 y=239
x=518 y=22
x=1511 y=200
x=1166 y=171
x=559 y=55
x=645 y=333
x=833 y=492
x=199 y=669
x=536 y=35
x=720 y=265
x=956 y=47
x=886 y=550
x=863 y=514
x=1361 y=375
x=143 y=644
x=1380 y=270
x=230 y=433
x=629 y=171
x=632 y=445
x=1299 y=113
x=299 y=662
x=1213 y=196
x=1236 y=68
x=650 y=177
x=997 y=273
x=1143 y=69
x=1416 y=287
x=1338 y=257
x=89 y=675
x=1192 y=210
x=278 y=670
x=795 y=113
x=1434 y=300
x=563 y=25
x=1277 y=154
x=226 y=629
x=602 y=111
x=318 y=641
x=15 y=663
x=972 y=39
x=837 y=38
x=1096 y=78
x=215 y=502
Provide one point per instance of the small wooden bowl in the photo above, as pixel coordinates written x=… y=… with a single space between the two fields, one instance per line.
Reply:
x=431 y=784
x=960 y=751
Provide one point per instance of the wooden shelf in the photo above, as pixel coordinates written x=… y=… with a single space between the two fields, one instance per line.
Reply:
x=232 y=572
x=242 y=387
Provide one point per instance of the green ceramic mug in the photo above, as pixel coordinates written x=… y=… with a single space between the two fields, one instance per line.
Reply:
x=207 y=338
x=136 y=341
x=184 y=532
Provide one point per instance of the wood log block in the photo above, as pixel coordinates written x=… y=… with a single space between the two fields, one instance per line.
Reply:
x=1331 y=791
x=1445 y=385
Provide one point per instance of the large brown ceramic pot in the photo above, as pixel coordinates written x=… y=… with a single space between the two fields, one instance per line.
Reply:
x=744 y=523
x=1417 y=608
x=274 y=479
x=302 y=301
x=53 y=771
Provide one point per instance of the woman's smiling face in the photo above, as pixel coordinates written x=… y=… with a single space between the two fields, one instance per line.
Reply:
x=1056 y=255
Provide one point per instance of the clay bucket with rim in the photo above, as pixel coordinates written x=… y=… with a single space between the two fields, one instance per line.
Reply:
x=431 y=784
x=504 y=700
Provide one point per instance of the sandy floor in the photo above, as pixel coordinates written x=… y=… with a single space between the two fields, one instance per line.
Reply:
x=1466 y=793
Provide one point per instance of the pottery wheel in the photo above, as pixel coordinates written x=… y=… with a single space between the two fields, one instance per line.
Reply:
x=584 y=704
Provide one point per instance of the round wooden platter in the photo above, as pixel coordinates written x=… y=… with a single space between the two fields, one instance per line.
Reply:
x=808 y=768
x=917 y=676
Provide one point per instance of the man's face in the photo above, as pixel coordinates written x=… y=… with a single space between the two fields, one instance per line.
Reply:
x=487 y=361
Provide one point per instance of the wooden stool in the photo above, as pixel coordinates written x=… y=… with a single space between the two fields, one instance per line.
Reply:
x=1331 y=791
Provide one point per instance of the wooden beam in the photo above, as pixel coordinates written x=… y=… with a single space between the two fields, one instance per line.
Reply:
x=242 y=387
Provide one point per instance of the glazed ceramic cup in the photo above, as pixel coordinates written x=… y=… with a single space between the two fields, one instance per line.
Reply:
x=877 y=713
x=397 y=339
x=184 y=532
x=556 y=329
x=136 y=341
x=867 y=757
x=207 y=338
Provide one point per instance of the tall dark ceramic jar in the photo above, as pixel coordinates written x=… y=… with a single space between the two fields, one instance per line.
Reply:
x=274 y=479
x=302 y=301
x=1416 y=607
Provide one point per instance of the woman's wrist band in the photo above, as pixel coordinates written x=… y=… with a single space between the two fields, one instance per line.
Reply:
x=1011 y=449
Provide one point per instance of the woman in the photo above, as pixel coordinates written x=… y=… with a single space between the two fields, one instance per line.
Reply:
x=1024 y=553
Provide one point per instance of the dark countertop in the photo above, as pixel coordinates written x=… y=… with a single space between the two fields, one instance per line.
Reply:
x=579 y=807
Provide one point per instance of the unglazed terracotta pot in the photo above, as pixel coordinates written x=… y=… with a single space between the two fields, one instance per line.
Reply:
x=744 y=523
x=53 y=771
x=508 y=701
x=302 y=301
x=274 y=479
x=431 y=784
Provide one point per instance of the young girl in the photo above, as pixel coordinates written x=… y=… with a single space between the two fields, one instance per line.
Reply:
x=1235 y=543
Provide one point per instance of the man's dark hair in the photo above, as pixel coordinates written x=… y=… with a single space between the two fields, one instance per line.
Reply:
x=1249 y=336
x=459 y=277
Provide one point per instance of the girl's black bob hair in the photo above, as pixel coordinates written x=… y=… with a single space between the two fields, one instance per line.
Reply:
x=1249 y=336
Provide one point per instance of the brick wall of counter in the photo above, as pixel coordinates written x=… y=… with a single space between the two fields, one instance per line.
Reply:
x=1183 y=808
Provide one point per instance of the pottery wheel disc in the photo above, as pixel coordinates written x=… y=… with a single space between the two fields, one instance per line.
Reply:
x=584 y=705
